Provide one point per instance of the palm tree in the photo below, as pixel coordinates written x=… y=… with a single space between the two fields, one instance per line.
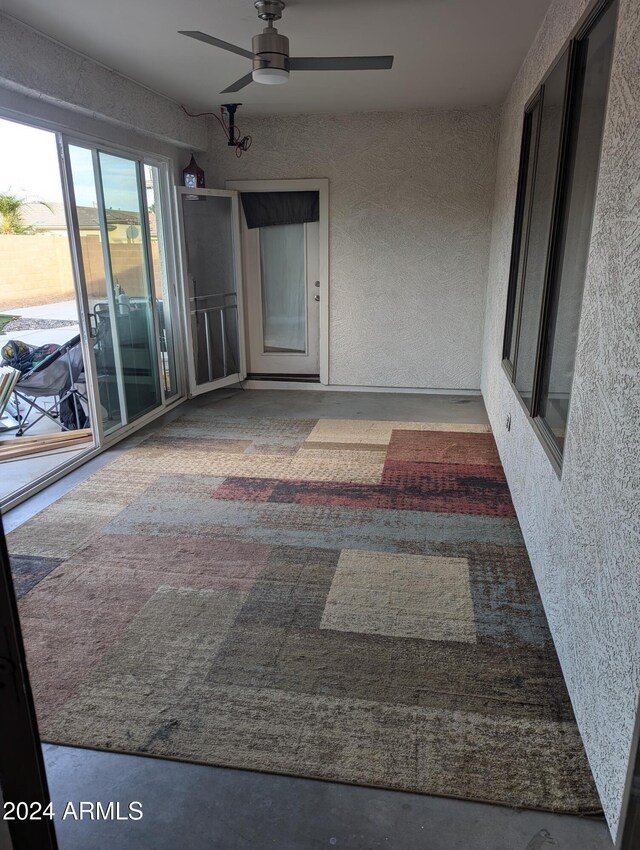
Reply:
x=11 y=221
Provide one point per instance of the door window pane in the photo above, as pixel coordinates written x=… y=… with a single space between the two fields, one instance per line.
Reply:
x=212 y=286
x=98 y=290
x=577 y=216
x=539 y=226
x=133 y=317
x=283 y=276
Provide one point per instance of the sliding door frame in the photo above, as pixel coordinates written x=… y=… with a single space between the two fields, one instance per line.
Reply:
x=140 y=160
x=173 y=263
x=164 y=164
x=111 y=298
x=146 y=236
x=86 y=332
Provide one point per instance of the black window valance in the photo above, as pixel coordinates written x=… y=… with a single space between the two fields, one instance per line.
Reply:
x=262 y=209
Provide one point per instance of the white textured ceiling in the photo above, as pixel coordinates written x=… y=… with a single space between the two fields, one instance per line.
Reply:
x=448 y=53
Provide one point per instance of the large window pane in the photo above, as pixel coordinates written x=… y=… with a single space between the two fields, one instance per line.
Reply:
x=577 y=216
x=539 y=226
x=86 y=199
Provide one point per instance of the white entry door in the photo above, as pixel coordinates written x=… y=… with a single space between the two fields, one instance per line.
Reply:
x=282 y=307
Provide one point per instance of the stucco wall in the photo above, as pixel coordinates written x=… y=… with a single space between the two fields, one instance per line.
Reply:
x=410 y=198
x=583 y=530
x=42 y=79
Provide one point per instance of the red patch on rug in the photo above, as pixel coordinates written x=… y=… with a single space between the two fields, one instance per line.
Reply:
x=443 y=447
x=246 y=489
x=475 y=490
x=452 y=488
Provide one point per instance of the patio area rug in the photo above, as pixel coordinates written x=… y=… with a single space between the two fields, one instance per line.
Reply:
x=348 y=600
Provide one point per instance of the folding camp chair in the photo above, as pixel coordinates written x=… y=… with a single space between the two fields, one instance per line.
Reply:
x=55 y=378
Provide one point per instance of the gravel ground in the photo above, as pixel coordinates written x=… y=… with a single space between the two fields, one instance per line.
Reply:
x=34 y=325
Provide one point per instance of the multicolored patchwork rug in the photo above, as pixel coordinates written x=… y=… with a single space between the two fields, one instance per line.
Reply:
x=342 y=599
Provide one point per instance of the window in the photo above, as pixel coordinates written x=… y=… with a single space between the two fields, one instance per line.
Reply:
x=548 y=112
x=529 y=146
x=576 y=215
x=556 y=194
x=284 y=287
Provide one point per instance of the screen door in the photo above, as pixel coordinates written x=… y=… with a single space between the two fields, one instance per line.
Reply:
x=212 y=273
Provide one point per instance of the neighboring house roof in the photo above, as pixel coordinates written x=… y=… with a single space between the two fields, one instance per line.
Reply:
x=37 y=215
x=52 y=217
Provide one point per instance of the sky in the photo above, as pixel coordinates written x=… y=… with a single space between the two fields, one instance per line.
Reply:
x=29 y=168
x=29 y=163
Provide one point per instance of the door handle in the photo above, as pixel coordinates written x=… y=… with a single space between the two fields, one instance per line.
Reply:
x=316 y=297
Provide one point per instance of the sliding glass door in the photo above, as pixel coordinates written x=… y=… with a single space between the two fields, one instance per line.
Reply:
x=117 y=209
x=161 y=244
x=129 y=310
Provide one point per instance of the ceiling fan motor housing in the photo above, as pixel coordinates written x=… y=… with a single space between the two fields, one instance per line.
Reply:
x=272 y=48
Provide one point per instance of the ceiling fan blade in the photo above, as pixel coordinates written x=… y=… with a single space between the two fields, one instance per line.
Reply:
x=340 y=63
x=239 y=84
x=217 y=42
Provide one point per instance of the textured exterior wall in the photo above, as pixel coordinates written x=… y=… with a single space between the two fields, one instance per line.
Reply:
x=44 y=81
x=32 y=64
x=583 y=531
x=410 y=200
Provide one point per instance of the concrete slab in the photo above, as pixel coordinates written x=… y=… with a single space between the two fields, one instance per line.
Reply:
x=195 y=807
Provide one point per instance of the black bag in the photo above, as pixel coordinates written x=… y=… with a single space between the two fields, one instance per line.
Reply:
x=68 y=416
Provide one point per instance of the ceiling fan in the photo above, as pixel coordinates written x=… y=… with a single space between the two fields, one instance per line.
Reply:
x=270 y=53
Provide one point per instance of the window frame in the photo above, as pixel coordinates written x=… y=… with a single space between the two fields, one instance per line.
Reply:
x=520 y=239
x=577 y=46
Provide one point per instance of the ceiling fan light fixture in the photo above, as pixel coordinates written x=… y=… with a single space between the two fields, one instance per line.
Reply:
x=270 y=76
x=271 y=57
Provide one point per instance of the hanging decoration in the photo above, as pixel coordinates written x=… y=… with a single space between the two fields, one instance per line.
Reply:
x=193 y=175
